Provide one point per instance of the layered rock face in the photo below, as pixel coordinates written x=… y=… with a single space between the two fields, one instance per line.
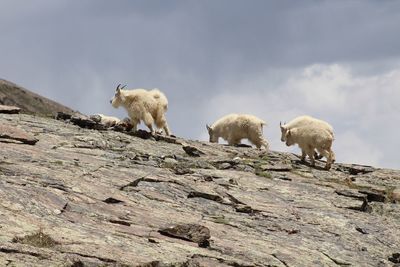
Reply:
x=98 y=197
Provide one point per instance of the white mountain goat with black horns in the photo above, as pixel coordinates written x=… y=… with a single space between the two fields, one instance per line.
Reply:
x=310 y=134
x=144 y=105
x=235 y=127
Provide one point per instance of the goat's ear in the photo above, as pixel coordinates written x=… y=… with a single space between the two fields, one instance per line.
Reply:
x=288 y=133
x=209 y=129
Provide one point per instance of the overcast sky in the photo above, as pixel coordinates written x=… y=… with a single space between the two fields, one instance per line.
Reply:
x=336 y=60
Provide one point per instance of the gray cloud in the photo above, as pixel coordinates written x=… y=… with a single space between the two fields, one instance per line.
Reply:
x=77 y=51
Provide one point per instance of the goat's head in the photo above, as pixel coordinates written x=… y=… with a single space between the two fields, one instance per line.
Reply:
x=213 y=137
x=284 y=130
x=117 y=99
x=289 y=137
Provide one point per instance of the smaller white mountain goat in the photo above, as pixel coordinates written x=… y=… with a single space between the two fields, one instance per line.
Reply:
x=148 y=106
x=235 y=127
x=108 y=121
x=310 y=134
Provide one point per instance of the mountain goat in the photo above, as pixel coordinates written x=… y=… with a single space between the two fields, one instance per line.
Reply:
x=303 y=121
x=148 y=106
x=310 y=134
x=235 y=127
x=108 y=121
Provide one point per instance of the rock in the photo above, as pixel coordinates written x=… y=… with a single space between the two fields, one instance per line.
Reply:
x=192 y=151
x=57 y=212
x=364 y=207
x=169 y=162
x=212 y=197
x=190 y=232
x=37 y=239
x=142 y=134
x=112 y=200
x=102 y=196
x=120 y=222
x=243 y=145
x=245 y=168
x=362 y=230
x=63 y=116
x=233 y=181
x=85 y=122
x=224 y=166
x=283 y=178
x=336 y=260
x=245 y=209
x=208 y=178
x=153 y=264
x=12 y=133
x=395 y=258
x=169 y=139
x=293 y=231
x=178 y=170
x=276 y=168
x=355 y=169
x=350 y=193
x=374 y=196
x=9 y=109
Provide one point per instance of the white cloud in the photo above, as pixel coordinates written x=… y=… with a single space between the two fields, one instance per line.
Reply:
x=362 y=109
x=354 y=149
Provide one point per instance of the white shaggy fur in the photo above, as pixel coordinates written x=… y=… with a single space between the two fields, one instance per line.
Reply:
x=108 y=121
x=235 y=127
x=148 y=106
x=310 y=134
x=303 y=121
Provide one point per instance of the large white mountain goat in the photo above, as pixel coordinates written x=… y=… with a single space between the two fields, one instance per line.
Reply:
x=310 y=134
x=235 y=127
x=148 y=106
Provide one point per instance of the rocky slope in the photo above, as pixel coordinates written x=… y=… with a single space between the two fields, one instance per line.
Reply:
x=82 y=197
x=29 y=102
